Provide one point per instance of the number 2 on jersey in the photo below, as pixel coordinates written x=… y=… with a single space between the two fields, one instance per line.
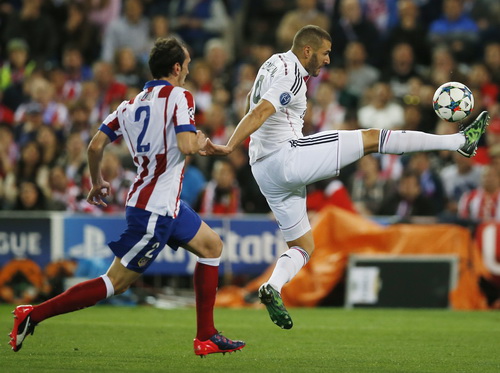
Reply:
x=141 y=148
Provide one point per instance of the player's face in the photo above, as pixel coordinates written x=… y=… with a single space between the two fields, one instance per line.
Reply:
x=319 y=58
x=185 y=68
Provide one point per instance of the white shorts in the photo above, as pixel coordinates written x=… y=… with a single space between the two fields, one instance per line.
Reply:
x=284 y=175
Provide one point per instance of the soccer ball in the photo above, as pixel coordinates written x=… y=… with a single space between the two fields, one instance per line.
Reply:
x=453 y=101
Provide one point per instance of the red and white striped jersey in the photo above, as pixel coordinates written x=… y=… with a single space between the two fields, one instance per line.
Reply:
x=149 y=124
x=479 y=205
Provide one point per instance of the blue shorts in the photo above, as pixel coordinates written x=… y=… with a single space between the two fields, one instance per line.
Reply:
x=147 y=233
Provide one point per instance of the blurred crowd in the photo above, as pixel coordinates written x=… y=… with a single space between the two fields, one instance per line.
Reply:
x=65 y=65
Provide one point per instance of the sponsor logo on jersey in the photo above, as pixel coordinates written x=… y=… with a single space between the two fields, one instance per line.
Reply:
x=285 y=98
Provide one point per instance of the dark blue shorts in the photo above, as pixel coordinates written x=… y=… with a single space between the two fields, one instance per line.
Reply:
x=147 y=233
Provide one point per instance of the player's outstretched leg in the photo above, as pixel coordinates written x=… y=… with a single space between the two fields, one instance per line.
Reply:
x=22 y=326
x=216 y=344
x=473 y=133
x=271 y=298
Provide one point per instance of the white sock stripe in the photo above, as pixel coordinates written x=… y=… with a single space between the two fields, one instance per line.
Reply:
x=214 y=262
x=110 y=290
x=304 y=253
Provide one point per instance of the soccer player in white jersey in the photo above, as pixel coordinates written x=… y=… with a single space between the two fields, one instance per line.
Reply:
x=159 y=129
x=284 y=161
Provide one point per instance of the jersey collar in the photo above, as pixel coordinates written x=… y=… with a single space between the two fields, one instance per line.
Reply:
x=155 y=83
x=293 y=57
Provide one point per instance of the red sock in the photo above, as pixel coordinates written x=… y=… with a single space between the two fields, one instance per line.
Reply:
x=80 y=296
x=206 y=280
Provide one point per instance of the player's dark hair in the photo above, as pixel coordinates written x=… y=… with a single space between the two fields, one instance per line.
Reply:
x=310 y=35
x=165 y=54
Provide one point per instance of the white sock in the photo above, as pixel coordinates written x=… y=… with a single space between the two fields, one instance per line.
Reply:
x=110 y=290
x=214 y=262
x=287 y=266
x=399 y=142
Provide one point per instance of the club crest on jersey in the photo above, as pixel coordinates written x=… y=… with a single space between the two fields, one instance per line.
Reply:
x=285 y=98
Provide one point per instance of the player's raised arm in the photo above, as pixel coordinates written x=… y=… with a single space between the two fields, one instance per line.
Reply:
x=250 y=123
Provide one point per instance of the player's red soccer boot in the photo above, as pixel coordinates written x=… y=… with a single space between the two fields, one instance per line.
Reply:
x=216 y=344
x=22 y=326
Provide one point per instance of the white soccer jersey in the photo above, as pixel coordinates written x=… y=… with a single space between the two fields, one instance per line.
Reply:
x=149 y=124
x=281 y=80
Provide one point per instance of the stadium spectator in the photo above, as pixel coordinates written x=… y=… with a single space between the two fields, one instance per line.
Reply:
x=154 y=215
x=327 y=113
x=306 y=12
x=80 y=33
x=431 y=185
x=74 y=160
x=64 y=194
x=337 y=76
x=482 y=204
x=381 y=111
x=108 y=89
x=400 y=70
x=457 y=30
x=103 y=12
x=220 y=60
x=79 y=120
x=244 y=79
x=252 y=200
x=410 y=31
x=17 y=66
x=354 y=27
x=458 y=178
x=42 y=93
x=36 y=28
x=130 y=30
x=193 y=183
x=328 y=192
x=222 y=194
x=76 y=72
x=197 y=21
x=444 y=67
x=368 y=187
x=28 y=168
x=492 y=60
x=201 y=77
x=480 y=79
x=30 y=198
x=128 y=69
x=408 y=200
x=382 y=13
x=50 y=145
x=360 y=75
x=26 y=130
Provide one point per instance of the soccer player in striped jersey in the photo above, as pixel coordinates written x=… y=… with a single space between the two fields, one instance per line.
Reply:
x=284 y=162
x=159 y=129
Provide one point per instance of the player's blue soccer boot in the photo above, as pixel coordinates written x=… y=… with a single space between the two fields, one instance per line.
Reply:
x=473 y=133
x=22 y=326
x=216 y=344
x=271 y=298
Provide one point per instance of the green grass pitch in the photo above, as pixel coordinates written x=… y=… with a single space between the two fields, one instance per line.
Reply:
x=145 y=339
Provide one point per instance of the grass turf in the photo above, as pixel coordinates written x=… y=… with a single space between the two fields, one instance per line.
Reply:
x=144 y=339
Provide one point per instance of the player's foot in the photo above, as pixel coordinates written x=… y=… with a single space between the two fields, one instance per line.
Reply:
x=216 y=344
x=473 y=133
x=271 y=298
x=22 y=326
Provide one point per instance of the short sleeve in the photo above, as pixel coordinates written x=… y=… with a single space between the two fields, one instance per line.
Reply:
x=284 y=89
x=111 y=126
x=184 y=113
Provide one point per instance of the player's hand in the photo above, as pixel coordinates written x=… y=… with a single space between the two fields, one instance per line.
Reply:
x=201 y=139
x=213 y=149
x=97 y=193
